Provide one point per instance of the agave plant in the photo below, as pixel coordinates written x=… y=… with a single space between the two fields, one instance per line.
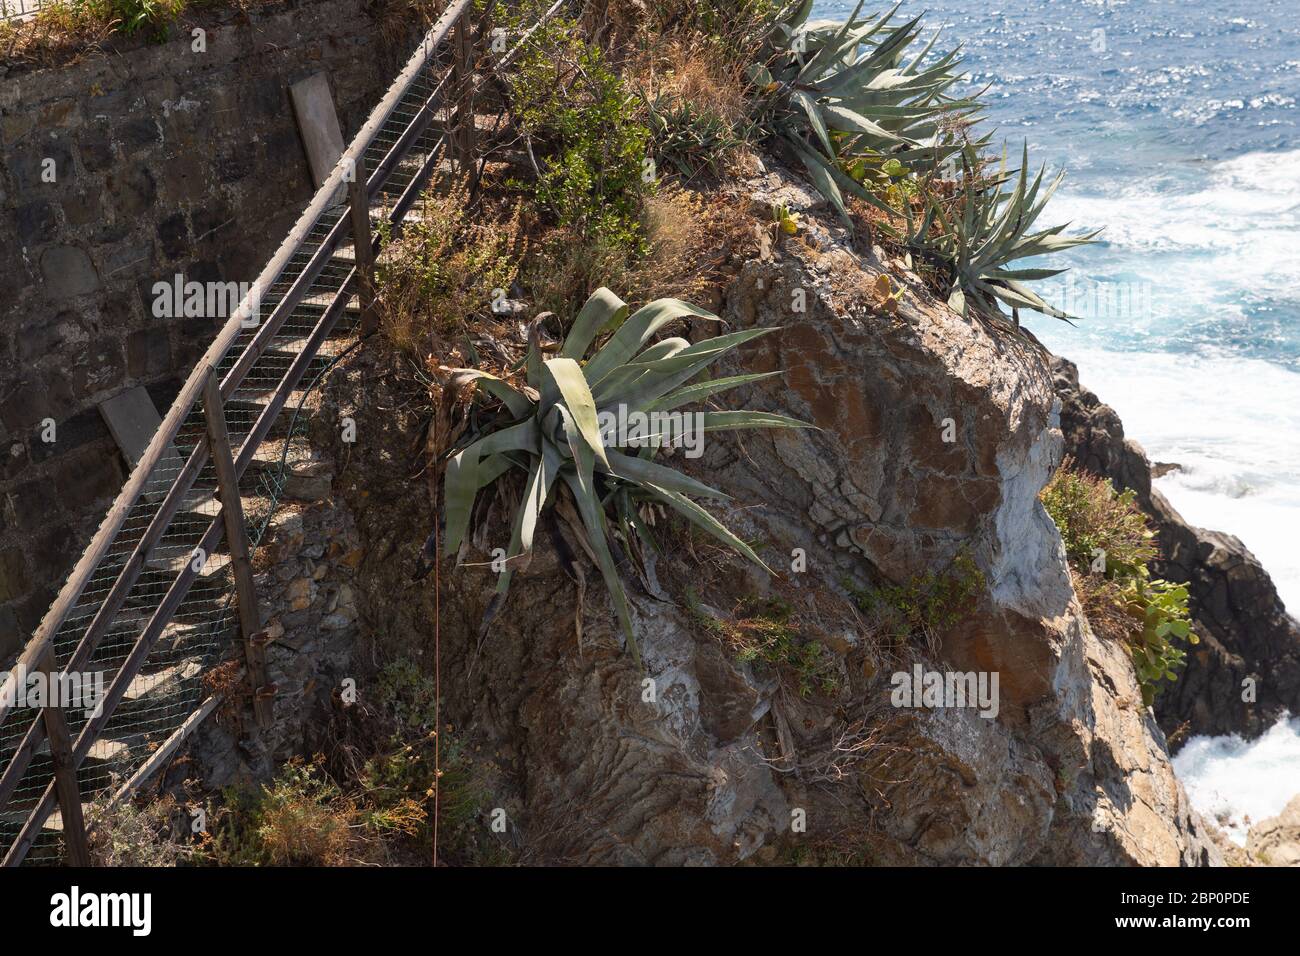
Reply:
x=842 y=96
x=551 y=430
x=987 y=229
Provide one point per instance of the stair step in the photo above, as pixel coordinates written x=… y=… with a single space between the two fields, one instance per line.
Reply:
x=248 y=405
x=281 y=357
x=305 y=478
x=144 y=685
x=171 y=564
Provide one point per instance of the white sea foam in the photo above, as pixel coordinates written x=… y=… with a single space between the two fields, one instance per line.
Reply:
x=1203 y=234
x=1236 y=782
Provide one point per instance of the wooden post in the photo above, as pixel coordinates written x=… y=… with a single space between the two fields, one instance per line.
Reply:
x=463 y=135
x=250 y=623
x=65 y=770
x=363 y=250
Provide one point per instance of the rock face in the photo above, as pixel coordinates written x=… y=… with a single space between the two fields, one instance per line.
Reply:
x=305 y=586
x=1276 y=841
x=935 y=436
x=1246 y=633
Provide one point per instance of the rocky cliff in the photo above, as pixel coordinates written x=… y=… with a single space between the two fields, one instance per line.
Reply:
x=1245 y=673
x=934 y=436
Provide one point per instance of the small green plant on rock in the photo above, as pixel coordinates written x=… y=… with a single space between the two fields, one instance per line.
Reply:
x=764 y=631
x=1109 y=547
x=925 y=604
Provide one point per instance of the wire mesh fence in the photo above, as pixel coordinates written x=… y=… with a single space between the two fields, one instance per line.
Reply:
x=202 y=629
x=18 y=9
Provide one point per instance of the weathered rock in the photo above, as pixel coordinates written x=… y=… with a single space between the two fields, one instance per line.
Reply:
x=1276 y=841
x=702 y=758
x=1246 y=633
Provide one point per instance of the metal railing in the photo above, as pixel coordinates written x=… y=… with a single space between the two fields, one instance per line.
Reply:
x=148 y=605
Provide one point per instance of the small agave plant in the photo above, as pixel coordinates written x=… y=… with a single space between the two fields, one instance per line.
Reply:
x=551 y=430
x=985 y=231
x=843 y=96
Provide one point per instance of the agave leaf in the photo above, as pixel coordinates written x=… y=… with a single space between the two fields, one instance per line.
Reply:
x=825 y=182
x=797 y=14
x=733 y=421
x=581 y=482
x=702 y=390
x=842 y=118
x=1017 y=296
x=818 y=124
x=475 y=467
x=572 y=386
x=1024 y=274
x=705 y=521
x=644 y=471
x=834 y=48
x=682 y=367
x=519 y=404
x=602 y=310
x=839 y=180
x=639 y=328
x=546 y=469
x=646 y=363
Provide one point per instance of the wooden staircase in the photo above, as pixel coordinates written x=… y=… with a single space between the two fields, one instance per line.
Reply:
x=148 y=605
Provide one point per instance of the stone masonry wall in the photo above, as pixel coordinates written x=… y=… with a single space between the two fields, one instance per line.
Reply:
x=165 y=161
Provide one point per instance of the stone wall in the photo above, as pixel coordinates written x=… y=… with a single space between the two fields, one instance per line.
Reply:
x=165 y=160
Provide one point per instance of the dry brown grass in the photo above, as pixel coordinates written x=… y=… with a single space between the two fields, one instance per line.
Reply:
x=59 y=35
x=690 y=237
x=690 y=69
x=64 y=32
x=446 y=270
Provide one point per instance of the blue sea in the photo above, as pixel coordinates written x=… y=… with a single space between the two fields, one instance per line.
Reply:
x=1176 y=124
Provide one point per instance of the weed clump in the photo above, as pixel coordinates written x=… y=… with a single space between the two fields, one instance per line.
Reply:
x=925 y=604
x=766 y=632
x=1109 y=546
x=575 y=110
x=447 y=271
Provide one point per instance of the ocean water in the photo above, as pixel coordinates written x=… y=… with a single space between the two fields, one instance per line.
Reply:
x=1176 y=123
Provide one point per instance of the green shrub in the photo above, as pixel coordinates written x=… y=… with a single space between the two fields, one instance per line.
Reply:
x=1109 y=546
x=763 y=631
x=583 y=127
x=446 y=269
x=1098 y=525
x=300 y=819
x=691 y=137
x=924 y=604
x=150 y=17
x=407 y=693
